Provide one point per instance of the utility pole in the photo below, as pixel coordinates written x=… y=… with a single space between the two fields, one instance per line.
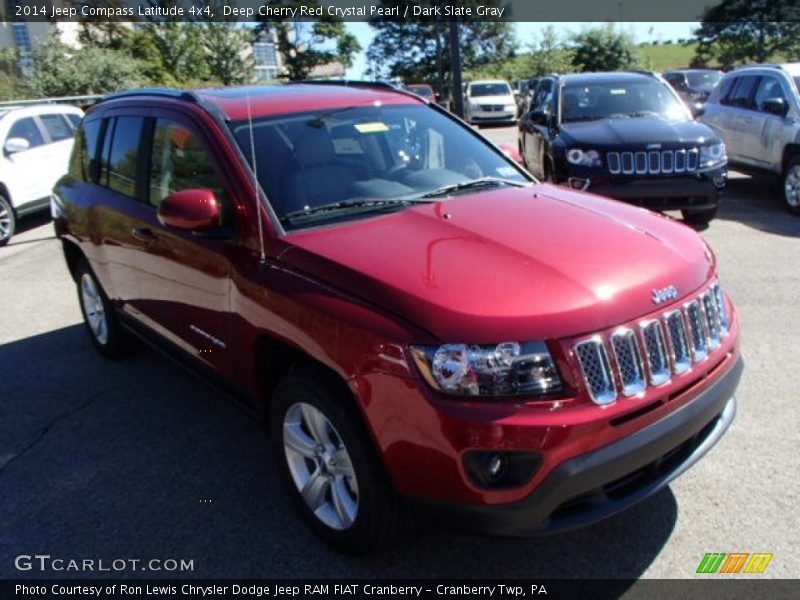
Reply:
x=455 y=65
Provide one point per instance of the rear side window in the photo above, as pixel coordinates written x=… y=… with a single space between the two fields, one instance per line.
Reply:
x=28 y=130
x=84 y=152
x=120 y=162
x=57 y=127
x=742 y=94
x=73 y=119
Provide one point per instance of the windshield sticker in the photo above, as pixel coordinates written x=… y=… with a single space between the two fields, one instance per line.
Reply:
x=374 y=127
x=347 y=146
x=618 y=92
x=506 y=171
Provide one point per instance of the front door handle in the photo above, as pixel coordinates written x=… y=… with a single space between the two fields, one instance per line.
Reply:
x=143 y=234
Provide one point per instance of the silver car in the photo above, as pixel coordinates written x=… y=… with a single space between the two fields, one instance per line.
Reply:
x=756 y=111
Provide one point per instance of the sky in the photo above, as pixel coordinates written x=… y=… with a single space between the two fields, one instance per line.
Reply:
x=527 y=32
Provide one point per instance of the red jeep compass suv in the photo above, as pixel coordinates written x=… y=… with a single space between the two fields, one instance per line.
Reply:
x=412 y=313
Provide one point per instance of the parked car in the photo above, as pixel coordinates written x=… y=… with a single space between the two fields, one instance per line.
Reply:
x=489 y=102
x=423 y=90
x=37 y=142
x=627 y=136
x=416 y=317
x=694 y=86
x=756 y=110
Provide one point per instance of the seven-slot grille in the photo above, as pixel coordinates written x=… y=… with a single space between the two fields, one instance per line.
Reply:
x=653 y=162
x=667 y=346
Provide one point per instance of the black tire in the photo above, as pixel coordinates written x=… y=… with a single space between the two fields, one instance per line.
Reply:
x=791 y=186
x=378 y=516
x=113 y=341
x=699 y=218
x=8 y=220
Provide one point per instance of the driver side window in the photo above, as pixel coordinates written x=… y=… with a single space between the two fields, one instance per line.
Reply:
x=179 y=162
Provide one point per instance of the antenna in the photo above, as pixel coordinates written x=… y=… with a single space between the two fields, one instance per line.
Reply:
x=262 y=254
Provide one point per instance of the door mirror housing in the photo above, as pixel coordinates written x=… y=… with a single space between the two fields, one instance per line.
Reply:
x=16 y=144
x=540 y=117
x=190 y=210
x=775 y=106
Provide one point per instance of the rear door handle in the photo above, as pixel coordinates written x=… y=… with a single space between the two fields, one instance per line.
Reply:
x=143 y=234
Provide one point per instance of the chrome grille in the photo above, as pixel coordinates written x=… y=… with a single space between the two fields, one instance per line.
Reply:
x=712 y=319
x=694 y=317
x=678 y=344
x=596 y=369
x=722 y=311
x=629 y=361
x=662 y=347
x=656 y=351
x=653 y=162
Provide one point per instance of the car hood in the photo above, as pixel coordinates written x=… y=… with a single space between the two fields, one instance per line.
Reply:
x=616 y=133
x=539 y=262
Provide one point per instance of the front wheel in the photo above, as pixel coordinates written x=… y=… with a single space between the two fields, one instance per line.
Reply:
x=325 y=455
x=699 y=218
x=8 y=221
x=105 y=332
x=791 y=186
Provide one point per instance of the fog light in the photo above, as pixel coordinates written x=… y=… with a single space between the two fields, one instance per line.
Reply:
x=492 y=469
x=578 y=183
x=719 y=180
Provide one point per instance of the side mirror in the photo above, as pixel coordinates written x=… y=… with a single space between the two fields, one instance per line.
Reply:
x=16 y=144
x=698 y=110
x=540 y=117
x=190 y=210
x=775 y=106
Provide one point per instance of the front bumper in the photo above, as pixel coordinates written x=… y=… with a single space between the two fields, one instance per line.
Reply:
x=484 y=116
x=699 y=191
x=600 y=483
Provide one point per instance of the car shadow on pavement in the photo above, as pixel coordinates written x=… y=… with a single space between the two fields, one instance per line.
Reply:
x=758 y=203
x=29 y=222
x=136 y=459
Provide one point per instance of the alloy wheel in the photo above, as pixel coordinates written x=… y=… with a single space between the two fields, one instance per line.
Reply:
x=5 y=222
x=320 y=466
x=94 y=309
x=792 y=187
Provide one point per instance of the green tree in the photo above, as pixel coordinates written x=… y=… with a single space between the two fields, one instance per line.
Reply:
x=304 y=46
x=739 y=31
x=180 y=48
x=603 y=49
x=414 y=50
x=550 y=54
x=228 y=49
x=63 y=71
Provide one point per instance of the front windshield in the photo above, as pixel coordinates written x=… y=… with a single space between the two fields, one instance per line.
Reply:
x=489 y=89
x=703 y=81
x=364 y=160
x=619 y=99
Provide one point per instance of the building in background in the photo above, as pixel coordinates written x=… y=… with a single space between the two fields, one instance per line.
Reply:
x=268 y=63
x=25 y=37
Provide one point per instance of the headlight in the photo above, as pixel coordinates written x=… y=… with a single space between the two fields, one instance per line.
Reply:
x=712 y=155
x=505 y=369
x=510 y=107
x=587 y=158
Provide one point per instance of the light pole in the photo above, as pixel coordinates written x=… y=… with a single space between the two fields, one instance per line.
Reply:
x=455 y=65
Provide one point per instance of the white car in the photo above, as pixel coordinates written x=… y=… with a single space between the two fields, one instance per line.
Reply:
x=37 y=143
x=490 y=101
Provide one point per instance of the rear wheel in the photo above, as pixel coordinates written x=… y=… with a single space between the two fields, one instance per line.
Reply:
x=105 y=332
x=8 y=221
x=699 y=218
x=791 y=186
x=326 y=457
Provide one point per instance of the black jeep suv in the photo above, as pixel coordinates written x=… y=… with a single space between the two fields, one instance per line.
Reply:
x=627 y=136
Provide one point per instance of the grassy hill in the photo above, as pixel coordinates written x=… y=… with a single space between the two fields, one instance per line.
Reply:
x=665 y=57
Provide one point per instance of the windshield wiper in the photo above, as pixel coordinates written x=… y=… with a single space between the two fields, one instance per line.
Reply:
x=470 y=185
x=347 y=204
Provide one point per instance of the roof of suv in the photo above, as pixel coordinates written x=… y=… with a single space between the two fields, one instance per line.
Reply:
x=239 y=102
x=792 y=69
x=610 y=77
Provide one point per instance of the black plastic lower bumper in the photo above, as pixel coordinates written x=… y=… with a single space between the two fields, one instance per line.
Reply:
x=598 y=484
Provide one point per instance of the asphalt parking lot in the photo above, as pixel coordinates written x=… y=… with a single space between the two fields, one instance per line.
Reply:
x=138 y=459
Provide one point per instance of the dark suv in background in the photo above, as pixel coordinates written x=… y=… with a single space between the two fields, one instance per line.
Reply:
x=694 y=85
x=627 y=136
